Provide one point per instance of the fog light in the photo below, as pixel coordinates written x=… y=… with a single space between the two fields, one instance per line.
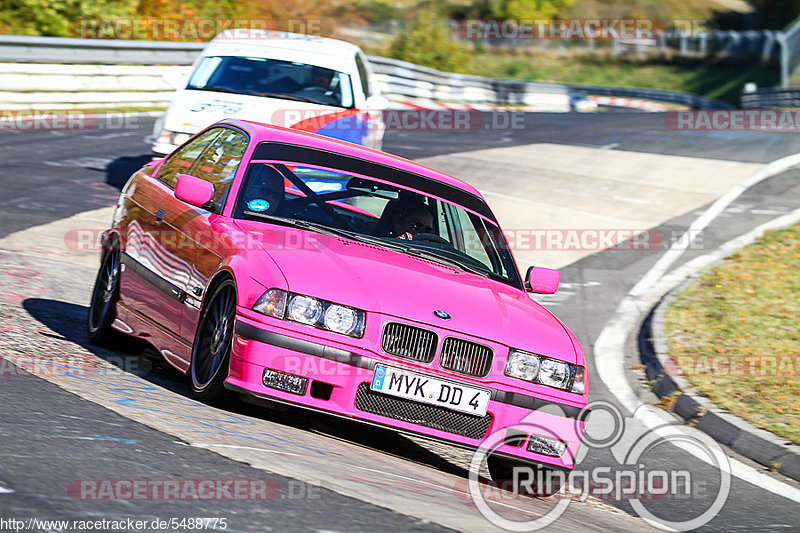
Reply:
x=275 y=379
x=546 y=446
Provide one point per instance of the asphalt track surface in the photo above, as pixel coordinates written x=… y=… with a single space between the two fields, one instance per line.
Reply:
x=48 y=176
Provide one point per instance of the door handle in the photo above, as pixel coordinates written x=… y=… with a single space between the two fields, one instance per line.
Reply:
x=160 y=214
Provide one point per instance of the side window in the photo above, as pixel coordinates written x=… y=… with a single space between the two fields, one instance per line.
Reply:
x=182 y=159
x=218 y=164
x=362 y=73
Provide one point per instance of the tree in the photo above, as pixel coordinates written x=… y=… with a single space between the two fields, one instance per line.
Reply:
x=521 y=9
x=58 y=18
x=426 y=41
x=776 y=14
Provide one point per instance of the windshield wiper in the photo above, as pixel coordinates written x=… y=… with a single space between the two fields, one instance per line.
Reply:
x=290 y=97
x=398 y=247
x=214 y=88
x=426 y=254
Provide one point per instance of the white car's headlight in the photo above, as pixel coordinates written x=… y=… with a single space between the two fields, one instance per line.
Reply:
x=551 y=372
x=173 y=137
x=312 y=311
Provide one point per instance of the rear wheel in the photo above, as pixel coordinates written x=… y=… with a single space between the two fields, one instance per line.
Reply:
x=105 y=295
x=212 y=344
x=531 y=480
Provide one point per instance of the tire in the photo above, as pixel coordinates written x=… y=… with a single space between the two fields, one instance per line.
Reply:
x=105 y=295
x=211 y=349
x=545 y=481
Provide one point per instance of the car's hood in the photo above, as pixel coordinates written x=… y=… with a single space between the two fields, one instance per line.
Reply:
x=384 y=281
x=192 y=110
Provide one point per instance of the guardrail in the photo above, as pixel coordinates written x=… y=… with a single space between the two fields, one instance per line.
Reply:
x=53 y=73
x=657 y=95
x=401 y=80
x=26 y=49
x=766 y=98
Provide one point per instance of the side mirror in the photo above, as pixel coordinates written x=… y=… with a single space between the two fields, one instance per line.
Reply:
x=542 y=280
x=194 y=190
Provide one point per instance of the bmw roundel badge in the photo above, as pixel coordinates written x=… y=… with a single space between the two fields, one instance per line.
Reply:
x=441 y=314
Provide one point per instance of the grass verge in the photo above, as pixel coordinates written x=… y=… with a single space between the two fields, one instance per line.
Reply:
x=734 y=333
x=722 y=80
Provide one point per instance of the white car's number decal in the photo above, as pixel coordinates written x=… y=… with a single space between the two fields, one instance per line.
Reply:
x=217 y=106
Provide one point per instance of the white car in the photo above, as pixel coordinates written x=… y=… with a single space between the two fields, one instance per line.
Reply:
x=315 y=84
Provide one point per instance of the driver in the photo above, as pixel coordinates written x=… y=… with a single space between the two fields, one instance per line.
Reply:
x=265 y=190
x=413 y=220
x=321 y=77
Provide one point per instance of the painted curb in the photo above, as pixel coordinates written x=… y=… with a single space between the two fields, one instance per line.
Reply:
x=757 y=444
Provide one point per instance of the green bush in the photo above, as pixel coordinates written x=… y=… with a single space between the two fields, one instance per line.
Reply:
x=58 y=18
x=426 y=41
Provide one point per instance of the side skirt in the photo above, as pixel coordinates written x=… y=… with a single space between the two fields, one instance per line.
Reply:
x=176 y=350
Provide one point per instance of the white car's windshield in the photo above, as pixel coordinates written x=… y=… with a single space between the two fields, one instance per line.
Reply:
x=310 y=197
x=258 y=76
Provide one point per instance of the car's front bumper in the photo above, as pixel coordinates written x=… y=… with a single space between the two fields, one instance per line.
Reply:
x=343 y=375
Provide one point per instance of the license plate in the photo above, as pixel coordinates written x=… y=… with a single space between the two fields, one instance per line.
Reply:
x=426 y=389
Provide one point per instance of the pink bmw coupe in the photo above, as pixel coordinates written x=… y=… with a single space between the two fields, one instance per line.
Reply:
x=287 y=267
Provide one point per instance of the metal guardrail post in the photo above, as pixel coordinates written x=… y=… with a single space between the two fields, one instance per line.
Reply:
x=784 y=54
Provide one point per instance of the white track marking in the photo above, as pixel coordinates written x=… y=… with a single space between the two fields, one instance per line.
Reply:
x=609 y=347
x=682 y=244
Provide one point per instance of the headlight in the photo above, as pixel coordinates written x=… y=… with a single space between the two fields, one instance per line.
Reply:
x=304 y=309
x=312 y=312
x=165 y=137
x=181 y=138
x=172 y=137
x=545 y=371
x=341 y=319
x=554 y=373
x=522 y=365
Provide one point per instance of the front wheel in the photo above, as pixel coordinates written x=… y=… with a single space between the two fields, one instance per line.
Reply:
x=530 y=479
x=105 y=295
x=212 y=344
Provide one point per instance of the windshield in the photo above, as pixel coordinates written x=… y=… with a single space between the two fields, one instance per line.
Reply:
x=258 y=76
x=366 y=209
